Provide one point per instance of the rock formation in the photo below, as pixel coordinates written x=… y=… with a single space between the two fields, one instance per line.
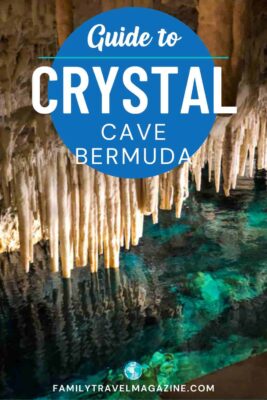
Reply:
x=84 y=213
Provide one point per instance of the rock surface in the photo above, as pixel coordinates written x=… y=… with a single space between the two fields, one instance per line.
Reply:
x=44 y=194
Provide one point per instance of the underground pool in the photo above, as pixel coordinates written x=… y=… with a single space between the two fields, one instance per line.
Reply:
x=189 y=300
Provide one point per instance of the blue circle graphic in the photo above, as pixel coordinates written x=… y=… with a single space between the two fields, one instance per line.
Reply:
x=140 y=109
x=133 y=370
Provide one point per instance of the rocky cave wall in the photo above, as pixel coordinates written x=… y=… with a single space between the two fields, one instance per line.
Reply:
x=84 y=213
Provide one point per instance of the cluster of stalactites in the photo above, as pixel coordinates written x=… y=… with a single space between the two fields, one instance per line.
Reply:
x=230 y=149
x=84 y=213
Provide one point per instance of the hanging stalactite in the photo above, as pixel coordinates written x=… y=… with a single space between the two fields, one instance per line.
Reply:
x=84 y=213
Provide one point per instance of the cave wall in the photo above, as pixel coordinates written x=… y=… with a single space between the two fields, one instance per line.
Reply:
x=83 y=213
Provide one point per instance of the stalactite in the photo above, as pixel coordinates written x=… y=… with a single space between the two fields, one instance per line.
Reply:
x=100 y=188
x=84 y=185
x=64 y=19
x=75 y=212
x=262 y=143
x=180 y=187
x=24 y=217
x=93 y=234
x=52 y=212
x=136 y=216
x=166 y=191
x=151 y=197
x=64 y=213
x=84 y=213
x=223 y=26
x=6 y=149
x=227 y=160
x=125 y=213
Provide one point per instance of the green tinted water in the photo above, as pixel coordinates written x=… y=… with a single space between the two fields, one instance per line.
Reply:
x=191 y=299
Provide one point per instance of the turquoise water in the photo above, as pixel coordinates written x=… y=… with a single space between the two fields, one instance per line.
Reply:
x=191 y=299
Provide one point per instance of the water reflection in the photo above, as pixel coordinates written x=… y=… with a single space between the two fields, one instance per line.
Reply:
x=189 y=300
x=53 y=328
